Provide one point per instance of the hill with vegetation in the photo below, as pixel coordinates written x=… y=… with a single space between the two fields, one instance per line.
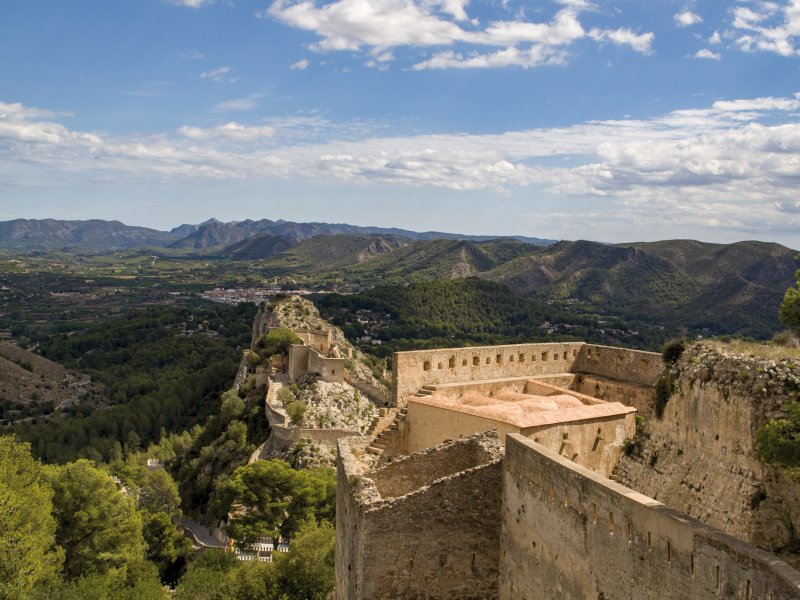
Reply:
x=259 y=246
x=31 y=385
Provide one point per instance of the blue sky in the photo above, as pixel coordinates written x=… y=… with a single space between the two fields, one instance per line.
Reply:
x=605 y=120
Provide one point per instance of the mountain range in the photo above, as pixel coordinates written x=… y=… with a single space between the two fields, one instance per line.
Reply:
x=99 y=235
x=720 y=288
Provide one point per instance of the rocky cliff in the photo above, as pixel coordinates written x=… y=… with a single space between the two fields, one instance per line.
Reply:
x=701 y=458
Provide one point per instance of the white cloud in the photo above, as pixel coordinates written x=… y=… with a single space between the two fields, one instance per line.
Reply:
x=715 y=38
x=230 y=131
x=641 y=42
x=217 y=74
x=687 y=18
x=737 y=157
x=708 y=54
x=377 y=26
x=533 y=57
x=300 y=65
x=191 y=3
x=768 y=27
x=239 y=104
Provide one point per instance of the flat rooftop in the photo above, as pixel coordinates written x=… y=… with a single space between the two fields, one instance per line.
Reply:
x=525 y=410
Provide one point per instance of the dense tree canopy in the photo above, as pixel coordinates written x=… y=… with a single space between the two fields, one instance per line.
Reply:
x=270 y=498
x=306 y=572
x=29 y=557
x=790 y=308
x=163 y=368
x=98 y=524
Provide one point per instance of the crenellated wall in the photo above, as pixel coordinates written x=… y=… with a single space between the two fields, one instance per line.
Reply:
x=412 y=370
x=621 y=374
x=569 y=533
x=619 y=364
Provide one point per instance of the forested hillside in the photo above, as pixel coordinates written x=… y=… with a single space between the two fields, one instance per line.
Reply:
x=163 y=368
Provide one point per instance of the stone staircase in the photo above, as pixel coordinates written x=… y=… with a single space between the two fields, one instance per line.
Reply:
x=426 y=390
x=385 y=444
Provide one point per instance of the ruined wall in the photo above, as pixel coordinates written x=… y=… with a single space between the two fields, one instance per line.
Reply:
x=260 y=325
x=376 y=395
x=570 y=533
x=319 y=340
x=331 y=369
x=304 y=360
x=282 y=436
x=620 y=364
x=437 y=542
x=412 y=370
x=701 y=457
x=594 y=443
x=297 y=362
x=639 y=397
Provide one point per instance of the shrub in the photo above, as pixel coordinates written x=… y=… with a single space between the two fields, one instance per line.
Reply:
x=778 y=441
x=285 y=396
x=673 y=350
x=278 y=340
x=665 y=386
x=297 y=412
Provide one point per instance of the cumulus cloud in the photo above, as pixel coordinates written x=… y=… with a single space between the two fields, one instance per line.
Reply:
x=622 y=37
x=706 y=53
x=300 y=65
x=768 y=27
x=378 y=26
x=738 y=157
x=687 y=18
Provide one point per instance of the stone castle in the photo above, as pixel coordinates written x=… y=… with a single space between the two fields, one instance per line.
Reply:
x=498 y=474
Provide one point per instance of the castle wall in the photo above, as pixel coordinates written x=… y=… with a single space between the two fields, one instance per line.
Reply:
x=412 y=370
x=569 y=533
x=298 y=361
x=437 y=542
x=700 y=458
x=639 y=397
x=431 y=425
x=620 y=364
x=304 y=360
x=376 y=395
x=320 y=341
x=594 y=443
x=331 y=369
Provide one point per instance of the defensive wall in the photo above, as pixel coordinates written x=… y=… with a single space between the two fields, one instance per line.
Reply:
x=618 y=371
x=305 y=359
x=378 y=396
x=423 y=526
x=701 y=457
x=568 y=532
x=282 y=435
x=586 y=430
x=460 y=521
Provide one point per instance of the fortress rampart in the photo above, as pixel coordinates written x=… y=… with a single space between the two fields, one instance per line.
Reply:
x=597 y=364
x=424 y=526
x=566 y=530
x=570 y=533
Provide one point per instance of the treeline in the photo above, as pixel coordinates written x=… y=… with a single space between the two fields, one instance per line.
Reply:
x=464 y=312
x=76 y=531
x=163 y=370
